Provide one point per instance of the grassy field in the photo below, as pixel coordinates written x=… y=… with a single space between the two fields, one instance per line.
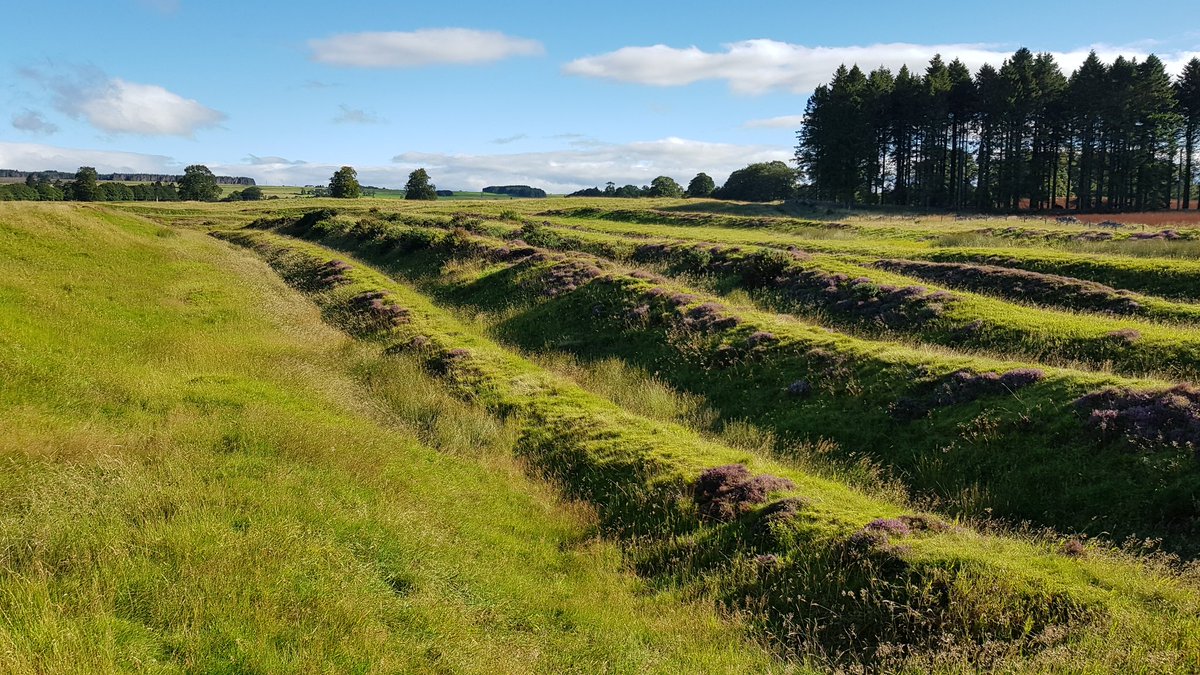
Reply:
x=594 y=435
x=200 y=475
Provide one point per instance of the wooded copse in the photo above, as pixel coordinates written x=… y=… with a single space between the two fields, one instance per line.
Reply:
x=197 y=183
x=1119 y=136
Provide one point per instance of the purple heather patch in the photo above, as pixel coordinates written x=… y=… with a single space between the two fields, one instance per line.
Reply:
x=725 y=492
x=1148 y=420
x=889 y=526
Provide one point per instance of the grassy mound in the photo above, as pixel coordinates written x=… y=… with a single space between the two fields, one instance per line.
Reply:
x=823 y=569
x=992 y=451
x=199 y=475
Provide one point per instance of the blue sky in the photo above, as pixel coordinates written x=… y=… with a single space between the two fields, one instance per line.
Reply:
x=559 y=95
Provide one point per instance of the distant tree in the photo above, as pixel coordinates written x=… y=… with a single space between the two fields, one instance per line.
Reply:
x=84 y=188
x=344 y=184
x=18 y=192
x=763 y=182
x=665 y=186
x=701 y=186
x=49 y=192
x=199 y=184
x=627 y=191
x=588 y=192
x=115 y=192
x=419 y=187
x=610 y=189
x=524 y=191
x=164 y=193
x=252 y=194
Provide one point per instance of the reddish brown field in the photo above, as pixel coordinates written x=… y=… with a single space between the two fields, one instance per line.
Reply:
x=1153 y=218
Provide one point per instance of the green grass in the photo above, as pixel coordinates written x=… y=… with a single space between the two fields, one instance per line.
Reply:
x=989 y=456
x=199 y=475
x=1003 y=590
x=417 y=486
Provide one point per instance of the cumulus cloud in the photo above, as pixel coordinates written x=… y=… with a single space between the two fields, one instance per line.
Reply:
x=357 y=116
x=33 y=122
x=38 y=157
x=782 y=122
x=762 y=65
x=420 y=48
x=118 y=106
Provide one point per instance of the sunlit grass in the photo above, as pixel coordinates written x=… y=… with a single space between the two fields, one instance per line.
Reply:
x=200 y=475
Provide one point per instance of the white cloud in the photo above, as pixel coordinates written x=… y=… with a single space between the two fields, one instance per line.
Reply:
x=510 y=139
x=118 y=106
x=420 y=48
x=556 y=170
x=357 y=116
x=762 y=65
x=33 y=122
x=147 y=109
x=782 y=122
x=38 y=157
x=568 y=170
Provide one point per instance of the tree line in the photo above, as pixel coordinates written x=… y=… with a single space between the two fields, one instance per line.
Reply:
x=197 y=183
x=1110 y=136
x=761 y=182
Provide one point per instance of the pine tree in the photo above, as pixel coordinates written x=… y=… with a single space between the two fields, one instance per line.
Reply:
x=1187 y=92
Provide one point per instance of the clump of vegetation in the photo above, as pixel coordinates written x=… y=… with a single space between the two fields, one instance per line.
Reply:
x=567 y=276
x=333 y=273
x=1146 y=420
x=963 y=387
x=380 y=307
x=709 y=316
x=724 y=493
x=1125 y=335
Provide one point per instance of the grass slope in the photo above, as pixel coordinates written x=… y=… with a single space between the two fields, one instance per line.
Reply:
x=200 y=476
x=990 y=454
x=811 y=565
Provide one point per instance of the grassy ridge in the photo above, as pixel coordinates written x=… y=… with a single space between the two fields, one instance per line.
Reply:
x=1167 y=277
x=991 y=453
x=853 y=295
x=1011 y=282
x=201 y=476
x=789 y=562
